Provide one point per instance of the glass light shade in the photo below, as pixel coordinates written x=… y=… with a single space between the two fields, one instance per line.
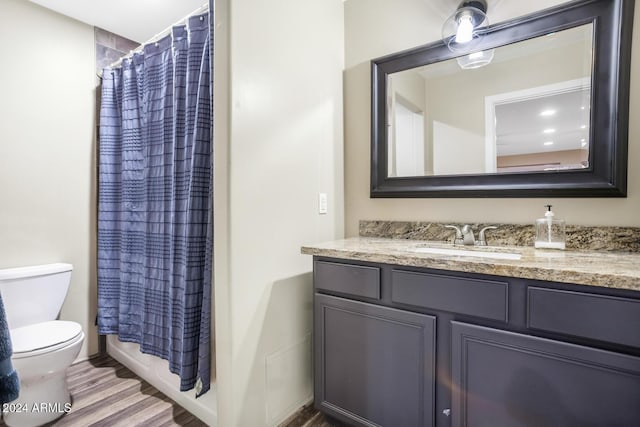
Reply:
x=462 y=30
x=475 y=59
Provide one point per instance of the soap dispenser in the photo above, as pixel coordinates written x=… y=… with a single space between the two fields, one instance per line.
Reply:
x=550 y=233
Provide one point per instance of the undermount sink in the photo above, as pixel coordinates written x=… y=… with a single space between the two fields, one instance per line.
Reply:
x=478 y=253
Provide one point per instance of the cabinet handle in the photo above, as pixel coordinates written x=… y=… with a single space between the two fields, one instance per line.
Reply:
x=447 y=412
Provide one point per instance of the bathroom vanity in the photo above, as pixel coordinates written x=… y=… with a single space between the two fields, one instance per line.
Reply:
x=407 y=338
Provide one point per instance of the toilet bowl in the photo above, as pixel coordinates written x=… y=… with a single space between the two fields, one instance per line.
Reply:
x=43 y=348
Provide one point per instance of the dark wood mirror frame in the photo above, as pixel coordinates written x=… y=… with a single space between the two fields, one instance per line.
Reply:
x=607 y=172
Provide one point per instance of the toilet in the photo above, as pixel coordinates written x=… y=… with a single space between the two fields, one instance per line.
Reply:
x=43 y=347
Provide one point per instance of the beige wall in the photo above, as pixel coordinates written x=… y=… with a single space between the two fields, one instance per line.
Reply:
x=284 y=147
x=410 y=87
x=47 y=151
x=374 y=28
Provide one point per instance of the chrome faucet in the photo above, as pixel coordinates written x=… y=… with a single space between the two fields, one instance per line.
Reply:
x=458 y=239
x=482 y=241
x=466 y=236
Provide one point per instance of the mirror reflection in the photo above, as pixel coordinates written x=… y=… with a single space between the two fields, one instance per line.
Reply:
x=522 y=107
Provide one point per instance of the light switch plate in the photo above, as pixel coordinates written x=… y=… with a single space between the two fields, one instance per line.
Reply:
x=322 y=203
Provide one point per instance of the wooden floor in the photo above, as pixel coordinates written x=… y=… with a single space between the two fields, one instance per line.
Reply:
x=105 y=393
x=309 y=417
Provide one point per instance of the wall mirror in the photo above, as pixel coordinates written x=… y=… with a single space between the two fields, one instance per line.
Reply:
x=538 y=108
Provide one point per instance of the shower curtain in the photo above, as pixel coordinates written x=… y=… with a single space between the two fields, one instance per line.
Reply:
x=155 y=202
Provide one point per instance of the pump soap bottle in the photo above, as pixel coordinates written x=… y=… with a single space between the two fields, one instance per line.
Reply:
x=550 y=233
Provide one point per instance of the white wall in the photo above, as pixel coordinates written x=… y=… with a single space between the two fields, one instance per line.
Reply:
x=47 y=151
x=284 y=146
x=466 y=158
x=374 y=28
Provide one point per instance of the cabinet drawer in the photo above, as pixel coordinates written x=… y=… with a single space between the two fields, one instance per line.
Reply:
x=600 y=317
x=474 y=297
x=347 y=279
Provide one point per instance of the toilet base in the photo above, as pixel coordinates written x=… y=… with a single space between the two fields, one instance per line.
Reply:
x=42 y=400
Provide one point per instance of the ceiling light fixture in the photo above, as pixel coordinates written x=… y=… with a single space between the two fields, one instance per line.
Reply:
x=475 y=59
x=547 y=113
x=461 y=29
x=548 y=131
x=548 y=143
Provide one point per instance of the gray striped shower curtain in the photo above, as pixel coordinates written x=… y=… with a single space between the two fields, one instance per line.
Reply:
x=154 y=202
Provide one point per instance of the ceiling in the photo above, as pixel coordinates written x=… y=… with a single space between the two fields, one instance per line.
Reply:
x=522 y=128
x=137 y=20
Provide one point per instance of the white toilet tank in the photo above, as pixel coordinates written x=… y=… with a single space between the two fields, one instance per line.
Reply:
x=34 y=294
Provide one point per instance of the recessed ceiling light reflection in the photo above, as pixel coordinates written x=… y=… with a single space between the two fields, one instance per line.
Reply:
x=548 y=143
x=583 y=144
x=547 y=113
x=550 y=130
x=583 y=127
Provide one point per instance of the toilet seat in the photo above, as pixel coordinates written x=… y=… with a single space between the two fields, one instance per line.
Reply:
x=45 y=337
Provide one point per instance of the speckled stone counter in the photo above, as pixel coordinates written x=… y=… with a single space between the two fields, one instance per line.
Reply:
x=620 y=239
x=593 y=268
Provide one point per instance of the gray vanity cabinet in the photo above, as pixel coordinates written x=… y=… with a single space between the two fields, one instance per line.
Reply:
x=509 y=352
x=374 y=365
x=509 y=379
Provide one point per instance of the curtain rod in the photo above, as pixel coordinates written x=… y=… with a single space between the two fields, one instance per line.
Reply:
x=161 y=34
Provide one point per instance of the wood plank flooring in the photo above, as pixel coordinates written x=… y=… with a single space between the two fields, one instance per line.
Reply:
x=106 y=394
x=309 y=417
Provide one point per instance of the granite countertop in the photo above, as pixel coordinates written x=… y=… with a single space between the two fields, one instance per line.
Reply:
x=593 y=268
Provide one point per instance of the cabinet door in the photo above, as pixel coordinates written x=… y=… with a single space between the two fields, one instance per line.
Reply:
x=506 y=379
x=374 y=366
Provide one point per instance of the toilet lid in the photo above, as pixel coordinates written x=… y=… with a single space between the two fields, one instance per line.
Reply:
x=43 y=335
